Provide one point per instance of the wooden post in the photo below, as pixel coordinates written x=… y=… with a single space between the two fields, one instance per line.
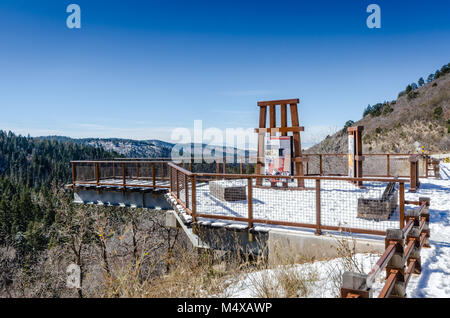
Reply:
x=241 y=167
x=318 y=221
x=284 y=118
x=395 y=269
x=186 y=191
x=388 y=165
x=426 y=214
x=97 y=177
x=177 y=186
x=73 y=173
x=260 y=154
x=272 y=117
x=414 y=171
x=297 y=145
x=170 y=179
x=224 y=163
x=153 y=176
x=114 y=171
x=124 y=178
x=320 y=165
x=401 y=207
x=162 y=171
x=250 y=202
x=193 y=200
x=217 y=169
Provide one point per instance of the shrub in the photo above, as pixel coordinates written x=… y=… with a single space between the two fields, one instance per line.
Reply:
x=378 y=130
x=434 y=85
x=412 y=95
x=387 y=109
x=408 y=89
x=437 y=112
x=348 y=123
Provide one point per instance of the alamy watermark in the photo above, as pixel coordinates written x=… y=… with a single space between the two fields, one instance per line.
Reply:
x=73 y=21
x=374 y=19
x=212 y=144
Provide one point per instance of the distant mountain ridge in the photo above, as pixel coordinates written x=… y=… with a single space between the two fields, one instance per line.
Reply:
x=140 y=148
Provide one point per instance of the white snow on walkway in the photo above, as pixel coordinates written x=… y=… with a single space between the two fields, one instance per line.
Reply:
x=444 y=170
x=433 y=282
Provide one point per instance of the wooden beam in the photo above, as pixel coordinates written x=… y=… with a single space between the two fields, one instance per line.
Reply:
x=279 y=129
x=284 y=118
x=279 y=102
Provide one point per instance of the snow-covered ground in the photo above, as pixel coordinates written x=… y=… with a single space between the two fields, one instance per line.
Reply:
x=433 y=282
x=339 y=202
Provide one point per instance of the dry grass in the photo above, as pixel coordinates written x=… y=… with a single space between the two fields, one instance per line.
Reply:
x=288 y=281
x=346 y=252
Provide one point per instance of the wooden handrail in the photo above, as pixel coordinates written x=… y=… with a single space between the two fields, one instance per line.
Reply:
x=390 y=282
x=381 y=264
x=415 y=232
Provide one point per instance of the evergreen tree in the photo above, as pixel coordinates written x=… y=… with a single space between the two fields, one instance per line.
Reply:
x=421 y=81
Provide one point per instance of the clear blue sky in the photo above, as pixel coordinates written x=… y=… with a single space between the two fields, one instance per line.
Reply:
x=136 y=69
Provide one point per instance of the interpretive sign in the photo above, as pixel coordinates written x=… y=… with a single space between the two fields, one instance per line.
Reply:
x=278 y=156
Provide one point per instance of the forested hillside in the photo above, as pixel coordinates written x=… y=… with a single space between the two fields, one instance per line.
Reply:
x=36 y=163
x=29 y=168
x=42 y=231
x=421 y=113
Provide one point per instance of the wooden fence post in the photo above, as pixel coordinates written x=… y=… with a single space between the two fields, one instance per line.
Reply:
x=426 y=214
x=250 y=202
x=320 y=165
x=97 y=177
x=401 y=208
x=73 y=173
x=414 y=173
x=186 y=191
x=177 y=185
x=388 y=165
x=193 y=199
x=318 y=221
x=124 y=178
x=153 y=177
x=395 y=269
x=170 y=179
x=137 y=170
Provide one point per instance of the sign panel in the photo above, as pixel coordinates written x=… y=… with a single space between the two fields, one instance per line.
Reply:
x=351 y=155
x=277 y=156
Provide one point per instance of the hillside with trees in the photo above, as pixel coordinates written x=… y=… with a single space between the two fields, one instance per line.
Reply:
x=421 y=113
x=30 y=170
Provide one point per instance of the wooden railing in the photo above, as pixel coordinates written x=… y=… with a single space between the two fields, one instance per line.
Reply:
x=401 y=258
x=184 y=183
x=120 y=173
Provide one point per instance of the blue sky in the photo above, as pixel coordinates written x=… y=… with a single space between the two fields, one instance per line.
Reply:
x=138 y=69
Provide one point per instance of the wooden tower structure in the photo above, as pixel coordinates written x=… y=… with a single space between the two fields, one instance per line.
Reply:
x=271 y=107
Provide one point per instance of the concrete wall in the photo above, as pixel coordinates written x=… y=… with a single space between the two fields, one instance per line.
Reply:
x=151 y=200
x=295 y=246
